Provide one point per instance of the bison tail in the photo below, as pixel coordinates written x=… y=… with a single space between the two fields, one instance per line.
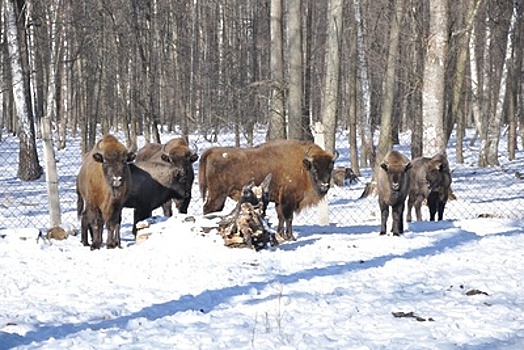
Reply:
x=202 y=181
x=79 y=204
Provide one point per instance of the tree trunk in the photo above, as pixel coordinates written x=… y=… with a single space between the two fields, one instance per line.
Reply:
x=388 y=91
x=295 y=81
x=460 y=72
x=368 y=151
x=330 y=96
x=277 y=123
x=433 y=93
x=29 y=168
x=496 y=120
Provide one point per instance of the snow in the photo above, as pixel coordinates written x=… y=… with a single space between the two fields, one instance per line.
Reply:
x=454 y=284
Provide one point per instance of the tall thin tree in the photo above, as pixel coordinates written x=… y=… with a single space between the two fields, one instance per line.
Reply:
x=29 y=168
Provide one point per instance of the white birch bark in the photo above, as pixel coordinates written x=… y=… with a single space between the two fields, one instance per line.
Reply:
x=29 y=168
x=494 y=130
x=295 y=81
x=433 y=138
x=484 y=101
x=47 y=133
x=330 y=96
x=277 y=127
x=363 y=78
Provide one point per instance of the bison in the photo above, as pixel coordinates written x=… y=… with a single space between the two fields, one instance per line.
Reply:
x=102 y=185
x=393 y=186
x=301 y=175
x=430 y=180
x=161 y=173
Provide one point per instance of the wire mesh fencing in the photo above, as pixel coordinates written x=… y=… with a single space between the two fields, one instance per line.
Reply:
x=496 y=192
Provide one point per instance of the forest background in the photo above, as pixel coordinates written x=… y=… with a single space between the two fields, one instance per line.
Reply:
x=374 y=68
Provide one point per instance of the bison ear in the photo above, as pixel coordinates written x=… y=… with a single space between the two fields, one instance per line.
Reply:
x=193 y=157
x=165 y=158
x=267 y=181
x=384 y=166
x=98 y=157
x=307 y=163
x=131 y=157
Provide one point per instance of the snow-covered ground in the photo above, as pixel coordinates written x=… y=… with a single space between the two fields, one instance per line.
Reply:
x=455 y=284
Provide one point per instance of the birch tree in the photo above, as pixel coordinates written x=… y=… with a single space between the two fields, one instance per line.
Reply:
x=29 y=168
x=330 y=96
x=277 y=124
x=368 y=151
x=388 y=90
x=295 y=80
x=433 y=139
x=496 y=120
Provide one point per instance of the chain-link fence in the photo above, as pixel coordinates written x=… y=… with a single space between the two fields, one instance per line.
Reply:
x=479 y=192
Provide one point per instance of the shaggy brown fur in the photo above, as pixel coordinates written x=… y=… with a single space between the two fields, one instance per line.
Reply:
x=301 y=176
x=102 y=186
x=393 y=187
x=160 y=174
x=340 y=174
x=430 y=179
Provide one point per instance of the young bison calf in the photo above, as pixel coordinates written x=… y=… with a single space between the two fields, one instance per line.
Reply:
x=430 y=179
x=393 y=187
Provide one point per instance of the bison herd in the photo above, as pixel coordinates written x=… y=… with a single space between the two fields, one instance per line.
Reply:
x=296 y=175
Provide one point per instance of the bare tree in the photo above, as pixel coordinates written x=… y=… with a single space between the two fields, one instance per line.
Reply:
x=331 y=87
x=388 y=93
x=496 y=120
x=295 y=82
x=28 y=167
x=434 y=80
x=277 y=124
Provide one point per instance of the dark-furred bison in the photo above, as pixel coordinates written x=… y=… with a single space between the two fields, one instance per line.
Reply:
x=301 y=175
x=161 y=172
x=393 y=186
x=102 y=185
x=430 y=180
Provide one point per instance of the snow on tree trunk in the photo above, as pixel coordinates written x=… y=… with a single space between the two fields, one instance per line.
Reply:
x=433 y=138
x=494 y=128
x=29 y=168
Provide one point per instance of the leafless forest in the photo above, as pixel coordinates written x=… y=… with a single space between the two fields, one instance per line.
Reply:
x=375 y=68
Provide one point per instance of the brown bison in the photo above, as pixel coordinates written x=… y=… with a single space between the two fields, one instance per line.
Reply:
x=301 y=175
x=161 y=173
x=430 y=180
x=102 y=185
x=393 y=186
x=343 y=175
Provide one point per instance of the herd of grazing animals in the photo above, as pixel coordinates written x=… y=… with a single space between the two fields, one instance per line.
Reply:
x=296 y=175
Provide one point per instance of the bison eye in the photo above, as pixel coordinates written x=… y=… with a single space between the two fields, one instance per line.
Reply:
x=182 y=179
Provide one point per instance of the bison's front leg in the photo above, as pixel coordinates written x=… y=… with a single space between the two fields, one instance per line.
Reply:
x=113 y=235
x=84 y=227
x=441 y=206
x=433 y=205
x=97 y=236
x=214 y=203
x=384 y=214
x=398 y=222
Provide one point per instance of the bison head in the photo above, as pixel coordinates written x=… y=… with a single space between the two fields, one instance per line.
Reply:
x=114 y=165
x=437 y=168
x=396 y=174
x=320 y=165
